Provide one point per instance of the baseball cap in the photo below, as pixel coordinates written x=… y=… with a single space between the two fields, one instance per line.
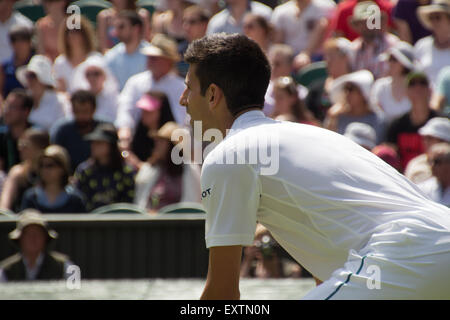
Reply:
x=148 y=103
x=438 y=127
x=103 y=132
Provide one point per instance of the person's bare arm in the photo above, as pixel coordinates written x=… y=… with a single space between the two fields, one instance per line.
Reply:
x=102 y=30
x=403 y=30
x=222 y=282
x=10 y=188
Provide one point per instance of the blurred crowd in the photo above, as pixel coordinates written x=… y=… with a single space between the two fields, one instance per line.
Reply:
x=87 y=112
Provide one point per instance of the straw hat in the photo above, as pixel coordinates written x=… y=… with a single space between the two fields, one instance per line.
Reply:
x=423 y=12
x=31 y=217
x=162 y=46
x=41 y=66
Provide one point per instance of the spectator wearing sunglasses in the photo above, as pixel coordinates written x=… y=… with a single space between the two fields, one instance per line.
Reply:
x=433 y=52
x=403 y=133
x=438 y=186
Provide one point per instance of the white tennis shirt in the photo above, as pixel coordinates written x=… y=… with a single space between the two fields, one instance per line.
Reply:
x=320 y=194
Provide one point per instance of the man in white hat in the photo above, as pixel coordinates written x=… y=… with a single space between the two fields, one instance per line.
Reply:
x=34 y=261
x=433 y=52
x=162 y=55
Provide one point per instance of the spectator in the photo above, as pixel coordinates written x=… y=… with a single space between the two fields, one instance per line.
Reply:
x=438 y=186
x=47 y=27
x=95 y=76
x=441 y=96
x=389 y=93
x=350 y=95
x=155 y=113
x=287 y=101
x=125 y=59
x=15 y=114
x=48 y=105
x=340 y=25
x=70 y=133
x=389 y=155
x=105 y=178
x=362 y=134
x=281 y=57
x=8 y=19
x=52 y=194
x=170 y=21
x=20 y=38
x=107 y=34
x=34 y=261
x=406 y=21
x=436 y=130
x=302 y=25
x=403 y=132
x=259 y=29
x=23 y=175
x=230 y=19
x=372 y=41
x=160 y=181
x=433 y=52
x=75 y=45
x=161 y=58
x=337 y=54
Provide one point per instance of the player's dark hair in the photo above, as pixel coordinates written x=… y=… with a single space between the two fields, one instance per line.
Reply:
x=236 y=64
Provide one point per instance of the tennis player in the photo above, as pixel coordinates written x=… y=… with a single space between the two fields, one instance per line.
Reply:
x=345 y=215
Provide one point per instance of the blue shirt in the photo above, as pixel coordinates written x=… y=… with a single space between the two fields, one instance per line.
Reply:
x=124 y=65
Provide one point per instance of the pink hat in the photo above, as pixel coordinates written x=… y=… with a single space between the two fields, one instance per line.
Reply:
x=148 y=103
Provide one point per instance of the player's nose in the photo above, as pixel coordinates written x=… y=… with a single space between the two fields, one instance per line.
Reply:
x=183 y=99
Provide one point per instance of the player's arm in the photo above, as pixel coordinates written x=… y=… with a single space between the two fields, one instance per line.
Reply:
x=222 y=282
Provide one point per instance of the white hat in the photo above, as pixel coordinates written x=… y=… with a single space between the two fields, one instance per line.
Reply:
x=362 y=134
x=437 y=127
x=41 y=66
x=423 y=12
x=363 y=79
x=403 y=52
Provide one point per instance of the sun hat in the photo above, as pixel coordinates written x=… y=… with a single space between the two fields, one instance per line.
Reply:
x=362 y=134
x=31 y=217
x=162 y=46
x=103 y=132
x=403 y=52
x=437 y=127
x=41 y=66
x=148 y=103
x=57 y=154
x=363 y=79
x=423 y=12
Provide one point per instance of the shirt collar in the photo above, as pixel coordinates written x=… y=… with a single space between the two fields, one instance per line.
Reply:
x=247 y=118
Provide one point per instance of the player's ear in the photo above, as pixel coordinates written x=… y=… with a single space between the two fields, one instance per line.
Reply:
x=214 y=95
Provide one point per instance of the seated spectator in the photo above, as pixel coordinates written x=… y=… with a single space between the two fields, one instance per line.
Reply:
x=95 y=76
x=403 y=132
x=35 y=260
x=259 y=29
x=372 y=41
x=433 y=52
x=337 y=54
x=302 y=25
x=9 y=18
x=20 y=38
x=104 y=178
x=362 y=134
x=441 y=96
x=406 y=21
x=125 y=59
x=340 y=24
x=23 y=175
x=389 y=93
x=71 y=132
x=106 y=23
x=438 y=186
x=287 y=101
x=162 y=56
x=47 y=27
x=75 y=45
x=155 y=113
x=170 y=21
x=389 y=155
x=230 y=19
x=350 y=95
x=52 y=194
x=160 y=181
x=436 y=130
x=16 y=110
x=48 y=105
x=281 y=57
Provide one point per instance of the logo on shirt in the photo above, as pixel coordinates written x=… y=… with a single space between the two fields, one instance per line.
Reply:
x=206 y=193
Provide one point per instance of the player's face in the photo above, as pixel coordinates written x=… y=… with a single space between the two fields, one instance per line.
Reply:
x=196 y=104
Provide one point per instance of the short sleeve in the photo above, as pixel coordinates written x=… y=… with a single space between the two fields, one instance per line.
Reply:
x=230 y=196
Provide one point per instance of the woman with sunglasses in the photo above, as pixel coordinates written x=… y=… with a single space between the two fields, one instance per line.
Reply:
x=53 y=194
